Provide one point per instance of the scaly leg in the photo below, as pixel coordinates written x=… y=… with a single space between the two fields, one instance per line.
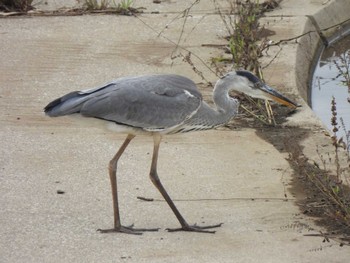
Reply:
x=112 y=168
x=156 y=181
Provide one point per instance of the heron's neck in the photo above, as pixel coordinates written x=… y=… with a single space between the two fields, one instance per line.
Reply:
x=207 y=117
x=225 y=105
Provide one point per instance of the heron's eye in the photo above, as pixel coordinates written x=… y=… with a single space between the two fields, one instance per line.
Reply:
x=257 y=85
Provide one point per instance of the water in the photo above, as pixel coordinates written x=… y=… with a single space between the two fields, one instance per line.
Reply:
x=328 y=82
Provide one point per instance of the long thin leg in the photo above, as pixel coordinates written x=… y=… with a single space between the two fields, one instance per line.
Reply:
x=156 y=181
x=112 y=168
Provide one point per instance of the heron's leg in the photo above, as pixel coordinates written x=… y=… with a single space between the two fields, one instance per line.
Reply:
x=156 y=181
x=112 y=168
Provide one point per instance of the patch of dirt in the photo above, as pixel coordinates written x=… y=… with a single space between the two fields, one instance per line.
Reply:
x=310 y=199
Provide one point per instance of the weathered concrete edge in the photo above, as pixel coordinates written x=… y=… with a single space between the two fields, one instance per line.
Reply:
x=316 y=144
x=334 y=13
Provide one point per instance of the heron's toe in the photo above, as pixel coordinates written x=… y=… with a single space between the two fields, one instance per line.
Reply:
x=128 y=230
x=195 y=228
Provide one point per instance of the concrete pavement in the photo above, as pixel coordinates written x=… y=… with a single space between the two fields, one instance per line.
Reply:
x=226 y=176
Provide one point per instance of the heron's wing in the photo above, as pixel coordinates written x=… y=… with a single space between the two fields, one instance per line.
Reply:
x=148 y=102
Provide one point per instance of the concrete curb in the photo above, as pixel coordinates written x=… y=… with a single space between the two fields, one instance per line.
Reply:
x=293 y=60
x=322 y=27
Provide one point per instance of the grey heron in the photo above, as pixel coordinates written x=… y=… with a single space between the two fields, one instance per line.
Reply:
x=158 y=105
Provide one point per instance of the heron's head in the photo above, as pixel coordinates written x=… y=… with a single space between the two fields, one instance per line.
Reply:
x=242 y=81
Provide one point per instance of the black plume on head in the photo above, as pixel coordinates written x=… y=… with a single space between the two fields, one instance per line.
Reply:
x=250 y=76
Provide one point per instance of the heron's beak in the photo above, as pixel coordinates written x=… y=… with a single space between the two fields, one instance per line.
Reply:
x=272 y=94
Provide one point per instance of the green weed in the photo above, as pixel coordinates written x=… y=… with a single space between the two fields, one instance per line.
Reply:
x=124 y=7
x=243 y=40
x=245 y=47
x=125 y=4
x=96 y=4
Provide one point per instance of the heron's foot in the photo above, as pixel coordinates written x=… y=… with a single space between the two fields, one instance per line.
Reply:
x=195 y=228
x=128 y=230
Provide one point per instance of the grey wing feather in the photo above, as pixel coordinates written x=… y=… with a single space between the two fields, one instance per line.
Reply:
x=152 y=102
x=149 y=102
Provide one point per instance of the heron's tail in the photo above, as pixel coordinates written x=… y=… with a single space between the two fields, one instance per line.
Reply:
x=67 y=104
